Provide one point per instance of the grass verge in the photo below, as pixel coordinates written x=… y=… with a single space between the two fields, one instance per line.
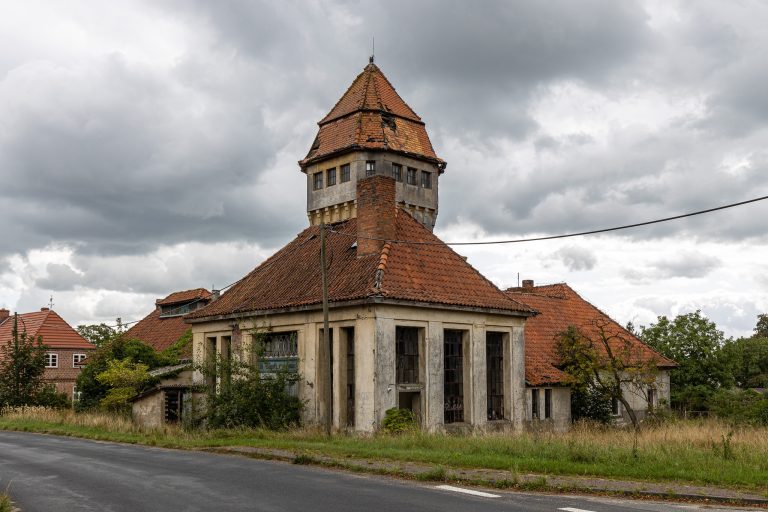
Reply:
x=696 y=452
x=5 y=502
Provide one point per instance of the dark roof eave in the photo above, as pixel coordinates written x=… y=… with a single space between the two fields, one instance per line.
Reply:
x=375 y=299
x=303 y=164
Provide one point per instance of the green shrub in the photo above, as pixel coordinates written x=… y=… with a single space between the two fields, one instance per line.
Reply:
x=591 y=404
x=397 y=421
x=740 y=406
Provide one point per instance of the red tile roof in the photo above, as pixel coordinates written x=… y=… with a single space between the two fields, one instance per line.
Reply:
x=159 y=333
x=55 y=331
x=184 y=296
x=559 y=307
x=372 y=116
x=432 y=274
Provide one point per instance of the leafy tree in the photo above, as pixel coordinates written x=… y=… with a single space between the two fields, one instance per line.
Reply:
x=22 y=368
x=740 y=406
x=606 y=363
x=591 y=403
x=693 y=341
x=124 y=379
x=747 y=360
x=98 y=334
x=761 y=329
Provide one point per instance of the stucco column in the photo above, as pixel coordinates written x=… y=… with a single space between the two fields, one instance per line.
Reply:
x=386 y=389
x=365 y=374
x=434 y=383
x=517 y=357
x=479 y=383
x=307 y=340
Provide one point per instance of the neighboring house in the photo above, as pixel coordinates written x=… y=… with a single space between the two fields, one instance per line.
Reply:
x=548 y=395
x=165 y=325
x=412 y=325
x=66 y=348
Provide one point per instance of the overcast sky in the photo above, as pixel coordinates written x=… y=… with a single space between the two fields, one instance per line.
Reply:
x=151 y=146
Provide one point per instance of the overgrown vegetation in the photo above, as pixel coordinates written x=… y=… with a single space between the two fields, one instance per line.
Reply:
x=22 y=369
x=397 y=421
x=5 y=502
x=701 y=451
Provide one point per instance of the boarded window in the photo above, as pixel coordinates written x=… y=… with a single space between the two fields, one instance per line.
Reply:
x=494 y=359
x=453 y=361
x=407 y=354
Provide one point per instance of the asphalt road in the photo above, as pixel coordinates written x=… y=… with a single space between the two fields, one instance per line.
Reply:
x=59 y=474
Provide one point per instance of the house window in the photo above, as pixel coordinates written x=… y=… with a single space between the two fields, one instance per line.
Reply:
x=535 y=404
x=411 y=176
x=174 y=404
x=453 y=375
x=426 y=179
x=547 y=403
x=77 y=360
x=51 y=360
x=370 y=168
x=280 y=353
x=651 y=398
x=317 y=182
x=350 y=332
x=331 y=179
x=614 y=406
x=345 y=173
x=397 y=172
x=407 y=355
x=494 y=360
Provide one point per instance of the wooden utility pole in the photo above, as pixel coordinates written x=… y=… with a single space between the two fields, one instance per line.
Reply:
x=326 y=333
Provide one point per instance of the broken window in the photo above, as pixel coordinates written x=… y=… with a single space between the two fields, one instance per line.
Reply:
x=407 y=355
x=426 y=179
x=317 y=182
x=345 y=173
x=331 y=176
x=547 y=403
x=174 y=399
x=494 y=360
x=397 y=172
x=370 y=168
x=453 y=361
x=535 y=404
x=410 y=177
x=280 y=353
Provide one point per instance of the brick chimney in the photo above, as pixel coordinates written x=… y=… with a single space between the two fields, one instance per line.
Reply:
x=45 y=309
x=527 y=283
x=376 y=209
x=4 y=314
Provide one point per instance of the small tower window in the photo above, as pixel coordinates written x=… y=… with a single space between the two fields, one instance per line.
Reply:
x=426 y=179
x=331 y=179
x=397 y=172
x=370 y=168
x=317 y=181
x=411 y=176
x=345 y=173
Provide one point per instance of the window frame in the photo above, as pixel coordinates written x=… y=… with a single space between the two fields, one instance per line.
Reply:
x=79 y=362
x=345 y=173
x=547 y=403
x=370 y=168
x=317 y=180
x=330 y=177
x=397 y=172
x=535 y=403
x=411 y=177
x=51 y=360
x=426 y=179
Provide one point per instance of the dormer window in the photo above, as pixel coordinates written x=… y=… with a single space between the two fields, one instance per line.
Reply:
x=167 y=310
x=397 y=172
x=426 y=179
x=331 y=176
x=345 y=173
x=317 y=181
x=411 y=176
x=370 y=168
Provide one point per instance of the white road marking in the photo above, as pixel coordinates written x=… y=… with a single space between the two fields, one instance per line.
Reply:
x=468 y=491
x=571 y=509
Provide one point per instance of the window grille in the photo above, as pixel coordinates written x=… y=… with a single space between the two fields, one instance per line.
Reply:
x=453 y=361
x=407 y=354
x=280 y=354
x=494 y=360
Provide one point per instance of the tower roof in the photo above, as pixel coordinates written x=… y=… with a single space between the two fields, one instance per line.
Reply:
x=370 y=115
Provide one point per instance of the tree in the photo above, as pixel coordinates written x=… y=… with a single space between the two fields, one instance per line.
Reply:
x=125 y=379
x=22 y=368
x=694 y=342
x=98 y=334
x=761 y=329
x=606 y=362
x=747 y=361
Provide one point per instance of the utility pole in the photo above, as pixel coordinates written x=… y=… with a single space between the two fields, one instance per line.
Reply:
x=326 y=333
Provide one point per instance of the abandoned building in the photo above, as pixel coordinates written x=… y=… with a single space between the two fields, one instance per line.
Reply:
x=549 y=394
x=66 y=349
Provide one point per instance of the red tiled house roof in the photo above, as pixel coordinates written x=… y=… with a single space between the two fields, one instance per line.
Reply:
x=160 y=332
x=372 y=116
x=55 y=331
x=559 y=307
x=430 y=274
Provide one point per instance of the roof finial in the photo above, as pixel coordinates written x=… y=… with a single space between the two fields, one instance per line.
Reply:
x=373 y=49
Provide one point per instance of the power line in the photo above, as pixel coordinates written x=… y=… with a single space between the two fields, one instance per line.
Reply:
x=553 y=237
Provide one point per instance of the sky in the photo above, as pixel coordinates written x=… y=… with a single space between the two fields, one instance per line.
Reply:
x=152 y=146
